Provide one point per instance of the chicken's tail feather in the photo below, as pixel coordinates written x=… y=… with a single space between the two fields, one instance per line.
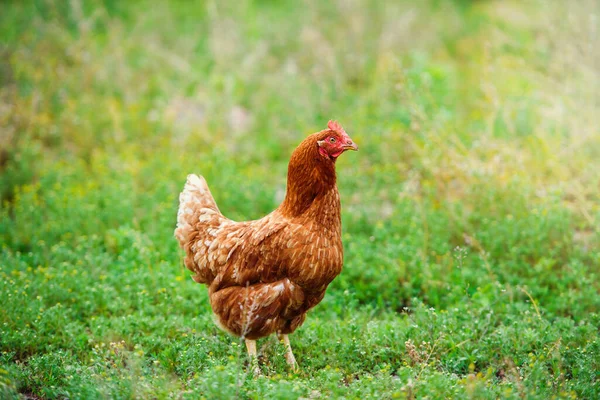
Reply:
x=197 y=208
x=195 y=196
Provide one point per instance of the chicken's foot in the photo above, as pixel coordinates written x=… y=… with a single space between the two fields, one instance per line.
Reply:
x=289 y=355
x=251 y=346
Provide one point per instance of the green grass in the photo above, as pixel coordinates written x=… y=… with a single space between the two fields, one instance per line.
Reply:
x=470 y=215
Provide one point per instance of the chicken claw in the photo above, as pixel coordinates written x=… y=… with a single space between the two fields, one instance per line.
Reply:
x=251 y=346
x=289 y=355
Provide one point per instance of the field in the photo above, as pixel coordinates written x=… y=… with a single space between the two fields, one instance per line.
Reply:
x=471 y=214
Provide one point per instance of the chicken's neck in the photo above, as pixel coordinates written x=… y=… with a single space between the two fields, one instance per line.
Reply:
x=311 y=186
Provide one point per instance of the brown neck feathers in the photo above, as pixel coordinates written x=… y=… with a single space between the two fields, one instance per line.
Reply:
x=309 y=176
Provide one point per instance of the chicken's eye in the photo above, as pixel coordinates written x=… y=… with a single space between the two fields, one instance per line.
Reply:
x=332 y=140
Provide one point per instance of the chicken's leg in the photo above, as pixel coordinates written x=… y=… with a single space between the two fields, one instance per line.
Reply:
x=289 y=355
x=251 y=346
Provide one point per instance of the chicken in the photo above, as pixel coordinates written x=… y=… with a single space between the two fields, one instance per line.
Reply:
x=264 y=275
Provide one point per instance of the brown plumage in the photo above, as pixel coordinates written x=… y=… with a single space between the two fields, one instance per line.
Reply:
x=264 y=275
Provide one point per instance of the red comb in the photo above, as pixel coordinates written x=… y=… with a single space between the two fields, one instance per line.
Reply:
x=334 y=126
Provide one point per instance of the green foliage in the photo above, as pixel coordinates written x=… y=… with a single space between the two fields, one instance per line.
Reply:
x=470 y=215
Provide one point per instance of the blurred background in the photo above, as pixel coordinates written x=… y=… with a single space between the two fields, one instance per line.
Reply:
x=476 y=191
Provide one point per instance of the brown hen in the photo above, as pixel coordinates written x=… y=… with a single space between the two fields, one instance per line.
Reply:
x=264 y=275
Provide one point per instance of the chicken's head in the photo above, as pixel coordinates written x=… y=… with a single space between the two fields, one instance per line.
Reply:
x=334 y=141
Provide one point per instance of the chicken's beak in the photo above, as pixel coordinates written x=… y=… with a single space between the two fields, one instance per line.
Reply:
x=350 y=145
